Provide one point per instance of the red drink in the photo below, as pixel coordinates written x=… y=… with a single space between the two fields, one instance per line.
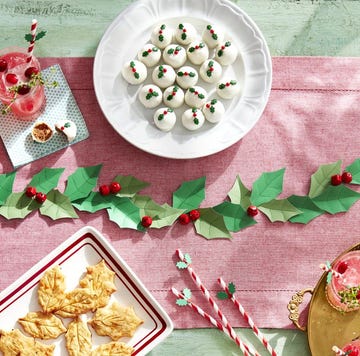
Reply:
x=28 y=102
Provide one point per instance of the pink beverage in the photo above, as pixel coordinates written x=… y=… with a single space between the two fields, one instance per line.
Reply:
x=29 y=101
x=352 y=348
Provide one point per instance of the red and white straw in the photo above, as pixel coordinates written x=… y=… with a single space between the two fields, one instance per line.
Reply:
x=32 y=42
x=338 y=351
x=247 y=317
x=326 y=268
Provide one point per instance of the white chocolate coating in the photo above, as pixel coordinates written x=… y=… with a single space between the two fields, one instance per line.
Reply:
x=214 y=111
x=192 y=119
x=173 y=96
x=210 y=71
x=165 y=119
x=150 y=96
x=149 y=55
x=134 y=72
x=226 y=53
x=195 y=97
x=161 y=36
x=212 y=35
x=197 y=52
x=228 y=88
x=163 y=76
x=187 y=77
x=174 y=55
x=68 y=128
x=185 y=33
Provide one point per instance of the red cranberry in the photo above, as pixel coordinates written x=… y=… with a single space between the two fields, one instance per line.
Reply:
x=184 y=219
x=346 y=177
x=30 y=192
x=336 y=179
x=3 y=65
x=252 y=210
x=115 y=187
x=146 y=221
x=351 y=350
x=29 y=72
x=342 y=267
x=194 y=214
x=104 y=190
x=40 y=197
x=24 y=89
x=11 y=78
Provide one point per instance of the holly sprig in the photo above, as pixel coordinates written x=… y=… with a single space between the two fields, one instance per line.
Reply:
x=127 y=207
x=39 y=35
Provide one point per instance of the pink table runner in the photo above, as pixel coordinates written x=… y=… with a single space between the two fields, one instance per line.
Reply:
x=312 y=118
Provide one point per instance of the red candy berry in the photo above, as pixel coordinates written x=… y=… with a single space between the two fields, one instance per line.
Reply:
x=3 y=65
x=146 y=221
x=24 y=89
x=40 y=197
x=343 y=266
x=194 y=214
x=184 y=219
x=30 y=192
x=115 y=187
x=252 y=210
x=29 y=72
x=346 y=177
x=104 y=189
x=11 y=78
x=336 y=179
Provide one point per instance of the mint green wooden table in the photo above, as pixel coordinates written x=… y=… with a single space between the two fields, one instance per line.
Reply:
x=291 y=28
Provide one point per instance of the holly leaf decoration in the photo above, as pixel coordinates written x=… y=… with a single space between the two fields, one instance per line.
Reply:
x=267 y=187
x=187 y=258
x=181 y=265
x=17 y=206
x=182 y=302
x=57 y=206
x=130 y=185
x=309 y=210
x=222 y=295
x=336 y=199
x=39 y=36
x=167 y=217
x=239 y=194
x=82 y=182
x=190 y=194
x=320 y=180
x=93 y=202
x=47 y=179
x=232 y=288
x=354 y=169
x=211 y=225
x=147 y=206
x=279 y=210
x=6 y=185
x=187 y=293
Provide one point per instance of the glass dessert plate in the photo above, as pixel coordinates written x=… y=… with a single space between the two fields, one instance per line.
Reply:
x=131 y=30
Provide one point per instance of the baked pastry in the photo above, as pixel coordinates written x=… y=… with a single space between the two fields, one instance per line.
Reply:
x=210 y=71
x=226 y=53
x=185 y=33
x=187 y=77
x=192 y=119
x=228 y=89
x=195 y=97
x=41 y=132
x=161 y=36
x=134 y=72
x=174 y=55
x=150 y=96
x=214 y=111
x=197 y=52
x=150 y=55
x=173 y=96
x=212 y=35
x=165 y=119
x=163 y=75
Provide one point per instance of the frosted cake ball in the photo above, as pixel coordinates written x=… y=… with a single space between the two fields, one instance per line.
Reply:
x=226 y=53
x=68 y=128
x=173 y=96
x=185 y=33
x=149 y=55
x=163 y=76
x=165 y=119
x=214 y=111
x=212 y=36
x=192 y=119
x=210 y=71
x=197 y=52
x=195 y=97
x=134 y=72
x=228 y=89
x=174 y=55
x=187 y=77
x=161 y=36
x=150 y=96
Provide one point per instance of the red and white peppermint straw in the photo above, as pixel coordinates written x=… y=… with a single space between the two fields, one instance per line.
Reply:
x=32 y=42
x=214 y=322
x=247 y=317
x=326 y=268
x=338 y=351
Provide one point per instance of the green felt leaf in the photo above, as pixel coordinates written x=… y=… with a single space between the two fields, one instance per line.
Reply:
x=181 y=265
x=17 y=206
x=309 y=210
x=187 y=293
x=147 y=206
x=6 y=185
x=211 y=225
x=239 y=194
x=321 y=179
x=93 y=202
x=267 y=187
x=167 y=217
x=235 y=217
x=354 y=169
x=232 y=288
x=182 y=302
x=57 y=206
x=190 y=194
x=82 y=181
x=47 y=179
x=336 y=199
x=279 y=210
x=125 y=214
x=222 y=295
x=130 y=185
x=187 y=258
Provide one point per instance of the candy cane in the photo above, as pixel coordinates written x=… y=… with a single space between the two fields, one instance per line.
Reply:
x=32 y=42
x=326 y=268
x=246 y=316
x=338 y=351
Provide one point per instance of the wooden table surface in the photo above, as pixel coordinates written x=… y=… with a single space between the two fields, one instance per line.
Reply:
x=291 y=28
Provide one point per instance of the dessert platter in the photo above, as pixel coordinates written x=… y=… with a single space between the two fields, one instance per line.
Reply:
x=162 y=63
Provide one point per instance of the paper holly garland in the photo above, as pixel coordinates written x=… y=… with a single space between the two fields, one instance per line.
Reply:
x=127 y=207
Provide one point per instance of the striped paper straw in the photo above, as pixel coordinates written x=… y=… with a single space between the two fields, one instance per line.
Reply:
x=247 y=317
x=32 y=42
x=326 y=268
x=338 y=351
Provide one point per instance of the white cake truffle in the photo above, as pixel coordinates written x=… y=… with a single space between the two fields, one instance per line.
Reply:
x=163 y=76
x=149 y=55
x=150 y=96
x=134 y=72
x=210 y=71
x=165 y=119
x=185 y=33
x=68 y=128
x=214 y=111
x=173 y=96
x=227 y=89
x=197 y=52
x=195 y=97
x=192 y=119
x=226 y=53
x=161 y=36
x=212 y=36
x=187 y=77
x=174 y=55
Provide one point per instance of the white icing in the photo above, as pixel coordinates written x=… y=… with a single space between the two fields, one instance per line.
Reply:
x=214 y=111
x=161 y=36
x=68 y=128
x=163 y=76
x=187 y=77
x=228 y=88
x=185 y=33
x=165 y=119
x=210 y=71
x=150 y=96
x=195 y=97
x=197 y=52
x=150 y=55
x=192 y=119
x=173 y=96
x=212 y=35
x=226 y=53
x=134 y=72
x=174 y=55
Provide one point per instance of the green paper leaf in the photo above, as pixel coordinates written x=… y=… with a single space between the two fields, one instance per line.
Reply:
x=57 y=206
x=93 y=202
x=167 y=217
x=187 y=258
x=267 y=187
x=181 y=265
x=232 y=288
x=279 y=210
x=147 y=206
x=187 y=293
x=235 y=217
x=320 y=180
x=47 y=179
x=239 y=194
x=222 y=295
x=81 y=182
x=6 y=185
x=17 y=206
x=125 y=214
x=190 y=194
x=309 y=210
x=354 y=169
x=211 y=225
x=130 y=185
x=336 y=199
x=182 y=302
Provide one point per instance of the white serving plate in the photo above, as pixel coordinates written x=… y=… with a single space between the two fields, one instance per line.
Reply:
x=84 y=248
x=128 y=33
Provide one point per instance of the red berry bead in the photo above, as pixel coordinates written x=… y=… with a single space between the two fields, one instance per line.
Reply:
x=11 y=78
x=343 y=266
x=40 y=197
x=252 y=210
x=23 y=89
x=31 y=71
x=336 y=179
x=346 y=177
x=3 y=65
x=146 y=221
x=194 y=214
x=104 y=189
x=184 y=219
x=115 y=187
x=30 y=192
